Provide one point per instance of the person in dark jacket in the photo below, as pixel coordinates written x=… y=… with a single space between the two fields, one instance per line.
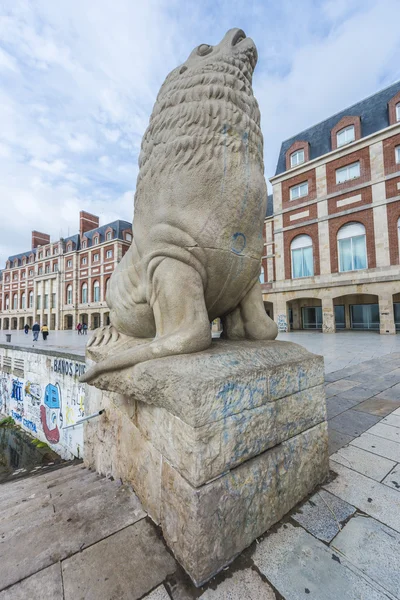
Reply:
x=26 y=328
x=36 y=331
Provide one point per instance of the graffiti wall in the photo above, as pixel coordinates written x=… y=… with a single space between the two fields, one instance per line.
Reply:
x=42 y=394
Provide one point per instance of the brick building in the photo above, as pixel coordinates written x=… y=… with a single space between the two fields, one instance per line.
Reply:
x=331 y=257
x=61 y=283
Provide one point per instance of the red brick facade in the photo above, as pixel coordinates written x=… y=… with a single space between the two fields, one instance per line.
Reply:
x=335 y=206
x=392 y=108
x=393 y=216
x=389 y=154
x=312 y=214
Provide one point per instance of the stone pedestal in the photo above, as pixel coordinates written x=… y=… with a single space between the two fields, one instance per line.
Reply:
x=218 y=445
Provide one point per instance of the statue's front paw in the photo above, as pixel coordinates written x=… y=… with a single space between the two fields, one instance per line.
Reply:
x=103 y=336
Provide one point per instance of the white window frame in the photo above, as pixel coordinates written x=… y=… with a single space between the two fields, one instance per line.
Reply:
x=346 y=173
x=345 y=135
x=69 y=264
x=83 y=245
x=84 y=288
x=109 y=235
x=297 y=158
x=55 y=268
x=397 y=155
x=299 y=191
x=262 y=275
x=84 y=260
x=109 y=254
x=128 y=237
x=296 y=244
x=30 y=299
x=96 y=257
x=23 y=298
x=398 y=111
x=351 y=237
x=69 y=294
x=96 y=286
x=95 y=240
x=15 y=302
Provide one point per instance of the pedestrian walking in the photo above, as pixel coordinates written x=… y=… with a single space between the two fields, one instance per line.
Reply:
x=26 y=329
x=36 y=331
x=45 y=332
x=84 y=329
x=79 y=328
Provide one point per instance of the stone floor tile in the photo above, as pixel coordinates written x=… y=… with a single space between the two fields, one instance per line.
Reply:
x=377 y=406
x=337 y=440
x=241 y=585
x=397 y=411
x=159 y=593
x=392 y=420
x=372 y=497
x=125 y=565
x=322 y=515
x=301 y=567
x=46 y=585
x=336 y=405
x=82 y=524
x=352 y=422
x=378 y=445
x=392 y=393
x=393 y=478
x=387 y=432
x=356 y=394
x=372 y=548
x=364 y=462
x=337 y=387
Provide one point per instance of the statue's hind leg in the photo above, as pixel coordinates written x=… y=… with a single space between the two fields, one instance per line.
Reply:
x=249 y=320
x=180 y=315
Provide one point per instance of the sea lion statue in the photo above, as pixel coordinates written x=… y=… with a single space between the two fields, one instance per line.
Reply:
x=199 y=210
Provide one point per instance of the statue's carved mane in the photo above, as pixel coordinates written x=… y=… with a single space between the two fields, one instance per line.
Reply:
x=200 y=114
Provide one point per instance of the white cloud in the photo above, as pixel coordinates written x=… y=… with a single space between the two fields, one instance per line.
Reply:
x=79 y=83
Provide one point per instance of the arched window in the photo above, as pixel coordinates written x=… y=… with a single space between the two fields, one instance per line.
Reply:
x=352 y=247
x=69 y=294
x=7 y=302
x=84 y=244
x=261 y=278
x=95 y=239
x=96 y=292
x=84 y=293
x=398 y=111
x=106 y=285
x=109 y=235
x=30 y=299
x=301 y=250
x=23 y=296
x=15 y=301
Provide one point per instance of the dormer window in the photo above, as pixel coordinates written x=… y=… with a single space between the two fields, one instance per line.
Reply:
x=128 y=237
x=397 y=154
x=84 y=244
x=69 y=247
x=96 y=240
x=297 y=158
x=109 y=235
x=15 y=263
x=398 y=111
x=345 y=136
x=47 y=252
x=24 y=261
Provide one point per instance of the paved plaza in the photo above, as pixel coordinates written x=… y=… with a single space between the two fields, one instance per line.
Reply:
x=342 y=543
x=340 y=350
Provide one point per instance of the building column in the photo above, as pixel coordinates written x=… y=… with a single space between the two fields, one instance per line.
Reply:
x=386 y=314
x=280 y=313
x=328 y=315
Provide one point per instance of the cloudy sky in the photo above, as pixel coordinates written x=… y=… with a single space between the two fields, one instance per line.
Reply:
x=79 y=79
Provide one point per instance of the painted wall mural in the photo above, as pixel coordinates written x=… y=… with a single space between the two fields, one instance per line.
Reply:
x=47 y=400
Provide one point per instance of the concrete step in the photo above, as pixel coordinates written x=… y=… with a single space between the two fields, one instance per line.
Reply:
x=21 y=485
x=88 y=509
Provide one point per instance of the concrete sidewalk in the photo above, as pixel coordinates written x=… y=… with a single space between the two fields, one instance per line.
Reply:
x=71 y=534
